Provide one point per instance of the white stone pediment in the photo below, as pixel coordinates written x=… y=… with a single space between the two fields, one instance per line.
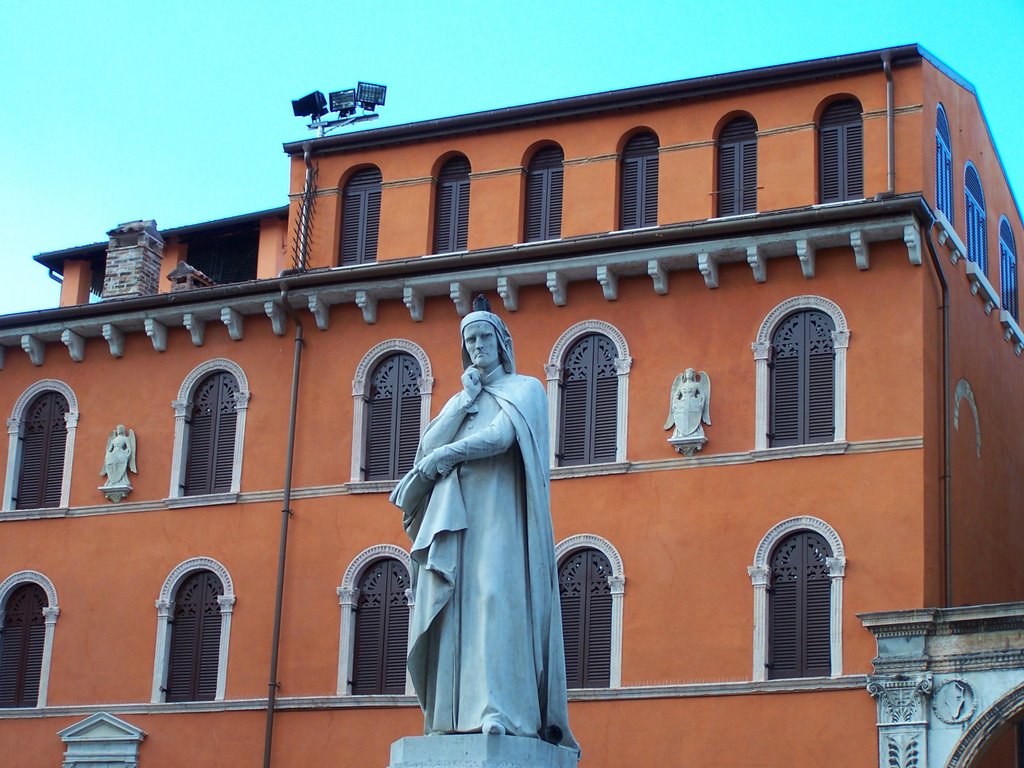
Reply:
x=101 y=727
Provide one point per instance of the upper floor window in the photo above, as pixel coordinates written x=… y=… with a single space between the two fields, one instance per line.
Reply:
x=1007 y=268
x=639 y=182
x=737 y=167
x=943 y=165
x=544 y=195
x=382 y=629
x=392 y=418
x=974 y=218
x=802 y=380
x=841 y=152
x=28 y=610
x=451 y=214
x=360 y=218
x=586 y=599
x=41 y=446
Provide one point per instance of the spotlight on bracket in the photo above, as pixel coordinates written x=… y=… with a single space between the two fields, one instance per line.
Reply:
x=365 y=96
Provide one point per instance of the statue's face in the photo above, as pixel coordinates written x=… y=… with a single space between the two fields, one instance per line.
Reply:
x=481 y=343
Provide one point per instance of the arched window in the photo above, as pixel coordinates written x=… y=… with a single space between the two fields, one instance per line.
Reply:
x=803 y=380
x=41 y=446
x=451 y=213
x=209 y=430
x=974 y=218
x=1007 y=268
x=737 y=167
x=392 y=418
x=360 y=218
x=544 y=195
x=841 y=152
x=943 y=165
x=586 y=599
x=382 y=629
x=21 y=646
x=797 y=577
x=638 y=199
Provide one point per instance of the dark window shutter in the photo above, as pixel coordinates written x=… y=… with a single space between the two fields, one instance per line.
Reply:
x=1007 y=268
x=21 y=647
x=586 y=601
x=42 y=452
x=802 y=380
x=977 y=230
x=639 y=182
x=799 y=608
x=737 y=168
x=544 y=195
x=841 y=152
x=589 y=402
x=392 y=418
x=943 y=165
x=210 y=455
x=195 y=639
x=451 y=216
x=382 y=630
x=360 y=221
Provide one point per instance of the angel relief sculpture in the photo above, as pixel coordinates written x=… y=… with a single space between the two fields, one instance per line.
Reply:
x=117 y=462
x=689 y=411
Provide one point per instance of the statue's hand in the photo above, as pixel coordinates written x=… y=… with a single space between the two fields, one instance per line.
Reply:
x=437 y=462
x=471 y=382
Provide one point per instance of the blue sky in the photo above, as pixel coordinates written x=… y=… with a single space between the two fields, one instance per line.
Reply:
x=115 y=111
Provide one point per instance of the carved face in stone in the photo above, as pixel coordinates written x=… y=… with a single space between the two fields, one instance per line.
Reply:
x=482 y=345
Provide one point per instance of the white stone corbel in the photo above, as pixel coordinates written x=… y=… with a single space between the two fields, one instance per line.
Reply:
x=75 y=344
x=860 y=248
x=35 y=347
x=368 y=304
x=912 y=238
x=275 y=312
x=413 y=299
x=115 y=339
x=659 y=275
x=509 y=292
x=460 y=297
x=708 y=267
x=758 y=264
x=609 y=282
x=157 y=333
x=196 y=327
x=557 y=283
x=320 y=310
x=805 y=252
x=232 y=318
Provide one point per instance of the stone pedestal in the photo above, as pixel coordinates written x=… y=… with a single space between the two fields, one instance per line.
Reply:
x=474 y=750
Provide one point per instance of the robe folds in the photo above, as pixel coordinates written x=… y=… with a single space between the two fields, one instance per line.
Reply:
x=486 y=637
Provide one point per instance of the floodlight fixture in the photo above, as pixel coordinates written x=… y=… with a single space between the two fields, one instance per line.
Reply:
x=344 y=102
x=370 y=95
x=313 y=105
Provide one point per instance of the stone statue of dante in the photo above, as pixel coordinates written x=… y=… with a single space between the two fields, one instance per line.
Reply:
x=486 y=653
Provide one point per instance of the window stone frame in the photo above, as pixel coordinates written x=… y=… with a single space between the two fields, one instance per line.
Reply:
x=50 y=614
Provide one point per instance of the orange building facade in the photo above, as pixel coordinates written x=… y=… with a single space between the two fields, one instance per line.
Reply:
x=812 y=198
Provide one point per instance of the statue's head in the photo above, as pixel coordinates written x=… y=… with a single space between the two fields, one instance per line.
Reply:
x=120 y=429
x=482 y=313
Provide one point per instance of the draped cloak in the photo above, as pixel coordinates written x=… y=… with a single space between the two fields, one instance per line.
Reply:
x=523 y=633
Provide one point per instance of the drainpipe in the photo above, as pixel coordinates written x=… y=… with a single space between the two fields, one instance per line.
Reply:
x=890 y=122
x=947 y=463
x=286 y=512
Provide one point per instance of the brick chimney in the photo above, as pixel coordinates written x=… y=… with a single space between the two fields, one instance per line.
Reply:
x=133 y=260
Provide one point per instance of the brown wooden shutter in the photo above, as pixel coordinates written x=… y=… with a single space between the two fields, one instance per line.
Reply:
x=977 y=230
x=360 y=221
x=21 y=647
x=799 y=608
x=210 y=457
x=586 y=602
x=42 y=452
x=451 y=215
x=392 y=418
x=802 y=380
x=1007 y=268
x=943 y=165
x=195 y=639
x=589 y=402
x=544 y=195
x=382 y=630
x=639 y=182
x=737 y=168
x=841 y=152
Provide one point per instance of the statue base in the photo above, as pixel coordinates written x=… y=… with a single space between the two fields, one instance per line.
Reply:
x=475 y=750
x=687 y=445
x=116 y=492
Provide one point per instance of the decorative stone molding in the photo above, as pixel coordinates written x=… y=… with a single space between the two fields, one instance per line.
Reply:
x=609 y=280
x=15 y=431
x=509 y=292
x=558 y=283
x=981 y=287
x=182 y=408
x=101 y=740
x=157 y=332
x=232 y=319
x=460 y=295
x=617 y=583
x=165 y=613
x=34 y=347
x=361 y=391
x=964 y=392
x=758 y=265
x=320 y=309
x=115 y=339
x=413 y=299
x=760 y=573
x=761 y=348
x=368 y=304
x=553 y=373
x=75 y=344
x=275 y=311
x=50 y=613
x=348 y=598
x=657 y=272
x=1012 y=332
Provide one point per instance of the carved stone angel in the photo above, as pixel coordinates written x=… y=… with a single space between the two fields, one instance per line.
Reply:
x=118 y=461
x=689 y=410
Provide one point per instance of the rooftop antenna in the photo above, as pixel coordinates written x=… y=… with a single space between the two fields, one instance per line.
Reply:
x=365 y=96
